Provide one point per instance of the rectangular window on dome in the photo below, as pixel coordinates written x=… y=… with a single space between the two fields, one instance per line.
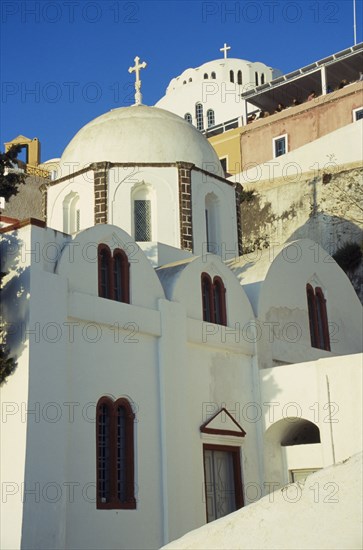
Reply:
x=142 y=217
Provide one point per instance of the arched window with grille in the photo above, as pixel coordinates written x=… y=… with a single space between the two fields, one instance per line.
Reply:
x=318 y=318
x=142 y=217
x=121 y=269
x=219 y=298
x=199 y=116
x=115 y=454
x=188 y=117
x=262 y=78
x=143 y=213
x=207 y=298
x=104 y=272
x=231 y=76
x=213 y=75
x=256 y=78
x=113 y=274
x=214 y=300
x=210 y=118
x=205 y=76
x=239 y=77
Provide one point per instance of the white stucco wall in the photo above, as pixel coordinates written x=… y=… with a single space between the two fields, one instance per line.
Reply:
x=275 y=281
x=27 y=426
x=14 y=394
x=203 y=186
x=176 y=370
x=328 y=393
x=197 y=379
x=161 y=185
x=325 y=512
x=283 y=300
x=79 y=265
x=83 y=186
x=219 y=94
x=182 y=283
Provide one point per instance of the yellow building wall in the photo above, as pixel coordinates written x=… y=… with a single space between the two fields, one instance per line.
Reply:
x=229 y=145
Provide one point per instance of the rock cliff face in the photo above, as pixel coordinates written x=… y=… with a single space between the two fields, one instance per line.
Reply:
x=323 y=512
x=28 y=202
x=325 y=207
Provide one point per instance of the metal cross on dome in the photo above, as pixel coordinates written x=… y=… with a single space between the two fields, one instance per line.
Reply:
x=136 y=69
x=225 y=50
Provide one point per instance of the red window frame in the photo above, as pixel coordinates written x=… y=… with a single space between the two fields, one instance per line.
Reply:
x=104 y=264
x=207 y=298
x=219 y=301
x=109 y=455
x=123 y=277
x=318 y=318
x=118 y=283
x=213 y=300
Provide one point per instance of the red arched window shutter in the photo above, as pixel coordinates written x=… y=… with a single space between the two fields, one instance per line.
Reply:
x=115 y=454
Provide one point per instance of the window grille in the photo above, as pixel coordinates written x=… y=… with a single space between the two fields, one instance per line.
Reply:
x=214 y=300
x=104 y=451
x=104 y=275
x=210 y=118
x=121 y=455
x=188 y=117
x=117 y=277
x=206 y=298
x=113 y=274
x=199 y=116
x=115 y=454
x=142 y=214
x=78 y=220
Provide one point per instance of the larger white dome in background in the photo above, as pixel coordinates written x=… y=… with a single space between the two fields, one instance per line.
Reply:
x=140 y=134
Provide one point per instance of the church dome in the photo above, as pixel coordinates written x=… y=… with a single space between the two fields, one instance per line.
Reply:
x=141 y=134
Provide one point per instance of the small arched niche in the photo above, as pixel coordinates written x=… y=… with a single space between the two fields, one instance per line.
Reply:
x=303 y=432
x=212 y=222
x=292 y=445
x=71 y=213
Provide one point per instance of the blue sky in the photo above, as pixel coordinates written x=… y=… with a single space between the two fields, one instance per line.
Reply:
x=65 y=62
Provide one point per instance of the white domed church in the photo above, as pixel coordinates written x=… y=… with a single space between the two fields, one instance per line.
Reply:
x=163 y=379
x=150 y=172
